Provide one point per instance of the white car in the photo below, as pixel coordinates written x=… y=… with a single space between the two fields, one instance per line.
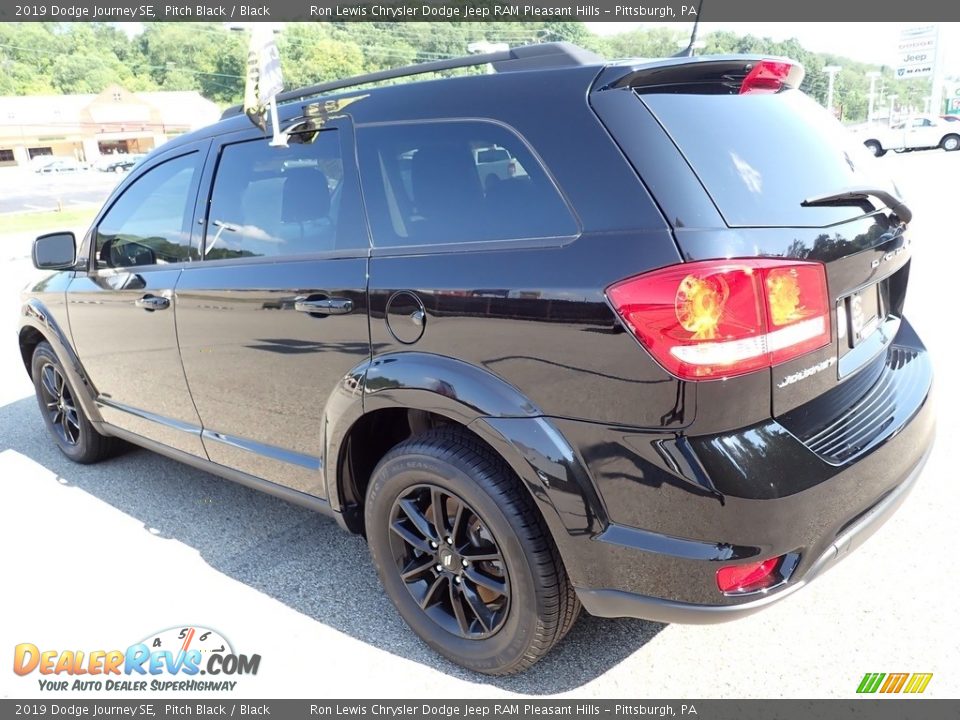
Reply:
x=920 y=131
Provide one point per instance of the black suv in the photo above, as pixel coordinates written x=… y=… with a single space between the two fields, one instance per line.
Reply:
x=655 y=365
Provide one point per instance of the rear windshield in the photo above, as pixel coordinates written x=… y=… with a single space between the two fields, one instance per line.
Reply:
x=760 y=155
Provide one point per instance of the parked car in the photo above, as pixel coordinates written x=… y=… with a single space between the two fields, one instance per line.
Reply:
x=664 y=374
x=496 y=161
x=61 y=165
x=119 y=163
x=920 y=132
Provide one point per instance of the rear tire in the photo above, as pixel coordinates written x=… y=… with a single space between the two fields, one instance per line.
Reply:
x=523 y=603
x=874 y=147
x=64 y=417
x=950 y=143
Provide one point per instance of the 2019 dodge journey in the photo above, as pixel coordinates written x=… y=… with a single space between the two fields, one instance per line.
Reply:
x=654 y=363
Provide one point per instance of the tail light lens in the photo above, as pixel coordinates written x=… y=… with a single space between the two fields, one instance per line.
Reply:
x=767 y=76
x=750 y=577
x=721 y=318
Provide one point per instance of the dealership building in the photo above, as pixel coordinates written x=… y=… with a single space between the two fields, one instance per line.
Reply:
x=86 y=127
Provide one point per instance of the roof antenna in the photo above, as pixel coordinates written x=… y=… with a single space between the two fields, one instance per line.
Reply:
x=688 y=50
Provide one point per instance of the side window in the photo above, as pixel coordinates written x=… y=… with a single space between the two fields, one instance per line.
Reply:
x=456 y=182
x=150 y=222
x=270 y=201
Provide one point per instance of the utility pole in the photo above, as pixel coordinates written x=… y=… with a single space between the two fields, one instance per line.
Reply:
x=831 y=71
x=873 y=75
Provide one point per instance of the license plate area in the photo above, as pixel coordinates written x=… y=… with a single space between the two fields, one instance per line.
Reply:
x=859 y=315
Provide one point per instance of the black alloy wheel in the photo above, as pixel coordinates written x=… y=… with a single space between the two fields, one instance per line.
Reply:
x=450 y=561
x=61 y=409
x=63 y=415
x=464 y=554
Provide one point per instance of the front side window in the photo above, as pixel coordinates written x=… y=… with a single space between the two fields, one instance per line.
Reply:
x=456 y=182
x=150 y=223
x=271 y=201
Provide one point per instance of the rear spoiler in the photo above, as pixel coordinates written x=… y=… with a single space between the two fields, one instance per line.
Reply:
x=705 y=74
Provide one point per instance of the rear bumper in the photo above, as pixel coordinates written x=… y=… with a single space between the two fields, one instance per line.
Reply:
x=620 y=603
x=679 y=508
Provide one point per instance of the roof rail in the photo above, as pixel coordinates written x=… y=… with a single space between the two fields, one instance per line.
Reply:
x=526 y=57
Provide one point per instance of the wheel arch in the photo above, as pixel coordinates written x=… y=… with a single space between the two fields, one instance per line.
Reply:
x=401 y=394
x=38 y=325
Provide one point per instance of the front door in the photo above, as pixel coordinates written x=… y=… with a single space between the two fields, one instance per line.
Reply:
x=275 y=315
x=122 y=310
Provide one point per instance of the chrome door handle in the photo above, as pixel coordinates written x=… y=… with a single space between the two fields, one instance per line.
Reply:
x=152 y=302
x=323 y=306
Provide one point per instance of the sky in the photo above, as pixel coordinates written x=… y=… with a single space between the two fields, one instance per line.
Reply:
x=867 y=42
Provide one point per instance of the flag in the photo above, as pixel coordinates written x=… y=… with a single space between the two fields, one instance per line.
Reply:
x=264 y=77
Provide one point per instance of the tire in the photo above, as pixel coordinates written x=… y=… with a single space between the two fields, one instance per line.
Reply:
x=874 y=147
x=64 y=417
x=487 y=514
x=950 y=143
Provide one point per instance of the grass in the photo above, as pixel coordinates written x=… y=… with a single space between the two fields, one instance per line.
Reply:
x=46 y=221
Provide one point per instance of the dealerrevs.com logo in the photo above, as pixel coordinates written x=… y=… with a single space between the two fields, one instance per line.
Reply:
x=181 y=653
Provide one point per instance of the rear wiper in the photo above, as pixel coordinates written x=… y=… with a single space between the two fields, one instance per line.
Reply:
x=858 y=195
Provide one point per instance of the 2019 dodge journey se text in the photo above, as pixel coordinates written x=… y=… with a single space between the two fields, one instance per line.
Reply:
x=657 y=368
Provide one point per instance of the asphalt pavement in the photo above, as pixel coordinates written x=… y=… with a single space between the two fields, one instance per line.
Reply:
x=23 y=190
x=99 y=557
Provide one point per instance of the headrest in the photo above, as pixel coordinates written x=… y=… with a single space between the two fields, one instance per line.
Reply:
x=306 y=195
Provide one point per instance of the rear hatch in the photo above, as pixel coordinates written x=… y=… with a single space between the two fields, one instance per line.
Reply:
x=744 y=164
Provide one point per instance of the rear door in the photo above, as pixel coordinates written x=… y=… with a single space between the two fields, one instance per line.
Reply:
x=274 y=316
x=688 y=128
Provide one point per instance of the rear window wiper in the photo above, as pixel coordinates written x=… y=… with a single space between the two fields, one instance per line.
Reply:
x=858 y=195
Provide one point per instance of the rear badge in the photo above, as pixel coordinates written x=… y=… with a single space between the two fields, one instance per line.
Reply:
x=804 y=374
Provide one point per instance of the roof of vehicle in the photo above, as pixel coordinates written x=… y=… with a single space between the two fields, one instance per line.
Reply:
x=528 y=61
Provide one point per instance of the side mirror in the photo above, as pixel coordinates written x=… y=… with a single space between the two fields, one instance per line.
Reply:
x=56 y=251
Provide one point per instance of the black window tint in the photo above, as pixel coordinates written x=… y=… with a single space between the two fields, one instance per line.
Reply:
x=759 y=156
x=270 y=201
x=456 y=182
x=150 y=222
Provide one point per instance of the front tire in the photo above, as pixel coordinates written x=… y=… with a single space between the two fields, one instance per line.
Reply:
x=464 y=556
x=874 y=147
x=950 y=143
x=64 y=417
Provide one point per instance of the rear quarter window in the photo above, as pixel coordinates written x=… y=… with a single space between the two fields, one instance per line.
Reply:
x=456 y=182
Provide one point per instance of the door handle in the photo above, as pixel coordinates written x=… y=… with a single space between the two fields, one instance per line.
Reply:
x=152 y=302
x=323 y=306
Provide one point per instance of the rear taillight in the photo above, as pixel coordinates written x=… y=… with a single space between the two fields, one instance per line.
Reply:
x=722 y=318
x=767 y=76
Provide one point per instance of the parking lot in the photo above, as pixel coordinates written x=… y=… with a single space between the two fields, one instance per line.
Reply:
x=99 y=557
x=24 y=190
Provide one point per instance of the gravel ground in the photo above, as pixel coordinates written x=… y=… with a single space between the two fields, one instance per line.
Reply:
x=98 y=557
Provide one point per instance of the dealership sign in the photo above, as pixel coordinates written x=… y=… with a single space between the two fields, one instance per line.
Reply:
x=916 y=52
